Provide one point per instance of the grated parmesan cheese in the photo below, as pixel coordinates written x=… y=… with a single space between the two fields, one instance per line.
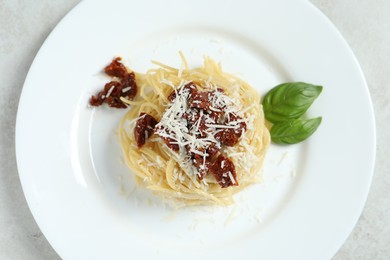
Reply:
x=232 y=215
x=173 y=126
x=110 y=91
x=231 y=177
x=126 y=89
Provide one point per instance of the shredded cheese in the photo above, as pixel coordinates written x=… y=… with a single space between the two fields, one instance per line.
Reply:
x=173 y=125
x=110 y=91
x=126 y=89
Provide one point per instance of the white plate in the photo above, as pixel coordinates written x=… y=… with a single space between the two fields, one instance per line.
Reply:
x=83 y=197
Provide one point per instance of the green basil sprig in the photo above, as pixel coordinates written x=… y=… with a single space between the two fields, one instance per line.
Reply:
x=294 y=131
x=289 y=101
x=284 y=105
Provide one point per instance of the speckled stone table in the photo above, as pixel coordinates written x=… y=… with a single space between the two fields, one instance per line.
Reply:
x=24 y=25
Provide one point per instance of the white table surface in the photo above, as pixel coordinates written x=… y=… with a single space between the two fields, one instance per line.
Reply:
x=24 y=25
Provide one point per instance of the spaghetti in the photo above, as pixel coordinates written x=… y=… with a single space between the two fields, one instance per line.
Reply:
x=163 y=162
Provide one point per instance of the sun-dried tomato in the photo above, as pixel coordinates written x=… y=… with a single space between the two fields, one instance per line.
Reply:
x=144 y=128
x=224 y=172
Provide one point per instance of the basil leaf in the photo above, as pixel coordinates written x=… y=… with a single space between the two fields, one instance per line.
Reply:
x=294 y=131
x=289 y=100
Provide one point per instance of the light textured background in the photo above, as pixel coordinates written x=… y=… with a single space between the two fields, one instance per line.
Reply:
x=24 y=25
